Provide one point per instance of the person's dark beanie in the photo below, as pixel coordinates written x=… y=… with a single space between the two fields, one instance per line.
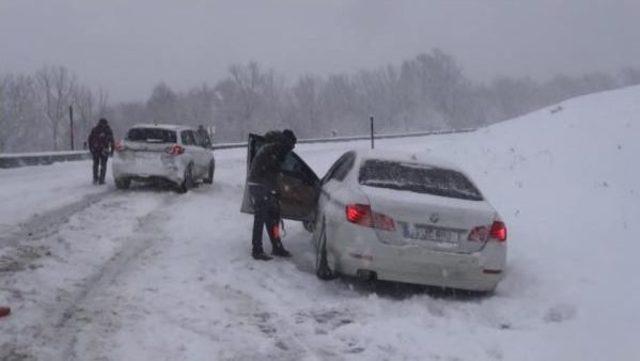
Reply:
x=289 y=136
x=103 y=121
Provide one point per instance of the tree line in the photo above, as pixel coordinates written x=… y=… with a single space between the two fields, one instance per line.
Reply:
x=427 y=92
x=34 y=109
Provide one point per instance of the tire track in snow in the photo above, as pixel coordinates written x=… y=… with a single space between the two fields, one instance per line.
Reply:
x=95 y=299
x=249 y=312
x=22 y=246
x=63 y=310
x=18 y=253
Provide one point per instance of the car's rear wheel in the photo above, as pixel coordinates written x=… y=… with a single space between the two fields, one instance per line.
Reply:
x=123 y=183
x=188 y=182
x=323 y=271
x=209 y=179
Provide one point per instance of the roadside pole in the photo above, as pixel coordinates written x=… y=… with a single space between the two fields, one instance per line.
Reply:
x=71 y=126
x=372 y=143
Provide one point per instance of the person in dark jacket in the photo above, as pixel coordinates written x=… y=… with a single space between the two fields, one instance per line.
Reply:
x=101 y=145
x=265 y=193
x=203 y=135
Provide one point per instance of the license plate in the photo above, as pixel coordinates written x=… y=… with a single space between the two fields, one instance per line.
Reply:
x=428 y=233
x=146 y=156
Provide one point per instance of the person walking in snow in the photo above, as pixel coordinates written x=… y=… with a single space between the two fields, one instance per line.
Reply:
x=205 y=140
x=265 y=194
x=101 y=145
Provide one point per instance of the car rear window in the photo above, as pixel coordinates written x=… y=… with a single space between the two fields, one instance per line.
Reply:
x=418 y=178
x=151 y=135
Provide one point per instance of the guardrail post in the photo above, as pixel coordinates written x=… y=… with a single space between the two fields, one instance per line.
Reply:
x=372 y=144
x=71 y=125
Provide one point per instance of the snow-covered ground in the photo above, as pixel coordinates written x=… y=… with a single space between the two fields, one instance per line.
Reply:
x=92 y=273
x=29 y=191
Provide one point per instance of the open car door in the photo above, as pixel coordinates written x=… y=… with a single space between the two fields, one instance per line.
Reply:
x=297 y=182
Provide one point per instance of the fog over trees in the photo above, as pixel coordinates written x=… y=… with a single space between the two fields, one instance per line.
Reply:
x=427 y=92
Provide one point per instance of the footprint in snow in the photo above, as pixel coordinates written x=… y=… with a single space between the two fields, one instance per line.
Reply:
x=560 y=313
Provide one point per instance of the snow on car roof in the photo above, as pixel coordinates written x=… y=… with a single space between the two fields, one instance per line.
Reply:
x=409 y=157
x=162 y=126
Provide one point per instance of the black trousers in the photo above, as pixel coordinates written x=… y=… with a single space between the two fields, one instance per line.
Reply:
x=266 y=206
x=99 y=166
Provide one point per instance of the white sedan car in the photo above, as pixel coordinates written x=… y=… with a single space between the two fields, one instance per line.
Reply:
x=397 y=218
x=152 y=152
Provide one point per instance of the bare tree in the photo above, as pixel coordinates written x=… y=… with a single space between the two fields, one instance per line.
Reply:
x=198 y=105
x=102 y=102
x=246 y=80
x=84 y=102
x=163 y=105
x=380 y=96
x=339 y=103
x=56 y=86
x=21 y=132
x=306 y=93
x=248 y=100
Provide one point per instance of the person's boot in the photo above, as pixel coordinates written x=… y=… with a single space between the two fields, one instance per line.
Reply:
x=278 y=250
x=259 y=255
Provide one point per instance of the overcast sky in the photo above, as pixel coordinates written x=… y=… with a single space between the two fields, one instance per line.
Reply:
x=128 y=46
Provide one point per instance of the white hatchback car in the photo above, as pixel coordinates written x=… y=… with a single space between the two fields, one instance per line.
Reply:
x=395 y=217
x=152 y=152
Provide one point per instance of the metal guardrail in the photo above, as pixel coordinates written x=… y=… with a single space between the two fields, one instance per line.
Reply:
x=355 y=137
x=383 y=136
x=44 y=158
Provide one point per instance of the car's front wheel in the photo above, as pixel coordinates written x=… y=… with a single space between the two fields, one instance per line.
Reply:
x=123 y=183
x=323 y=271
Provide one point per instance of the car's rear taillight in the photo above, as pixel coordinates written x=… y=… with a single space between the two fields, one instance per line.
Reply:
x=362 y=214
x=497 y=231
x=120 y=146
x=175 y=149
x=358 y=213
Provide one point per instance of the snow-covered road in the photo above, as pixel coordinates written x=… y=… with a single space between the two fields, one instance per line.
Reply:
x=92 y=273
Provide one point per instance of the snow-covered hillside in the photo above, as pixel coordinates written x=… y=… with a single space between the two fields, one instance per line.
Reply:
x=152 y=275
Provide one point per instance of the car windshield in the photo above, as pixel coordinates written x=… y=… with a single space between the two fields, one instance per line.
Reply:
x=151 y=135
x=417 y=178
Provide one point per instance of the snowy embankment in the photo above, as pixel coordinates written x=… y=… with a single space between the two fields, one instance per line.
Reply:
x=151 y=275
x=30 y=191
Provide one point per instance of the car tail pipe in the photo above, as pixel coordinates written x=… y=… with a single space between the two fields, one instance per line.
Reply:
x=366 y=275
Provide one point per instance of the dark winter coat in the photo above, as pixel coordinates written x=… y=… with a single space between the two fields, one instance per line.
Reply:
x=101 y=140
x=265 y=166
